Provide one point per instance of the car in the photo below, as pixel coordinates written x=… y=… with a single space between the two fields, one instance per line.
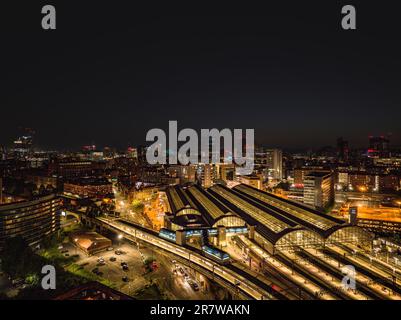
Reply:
x=112 y=259
x=123 y=264
x=125 y=279
x=193 y=285
x=181 y=270
x=110 y=249
x=100 y=259
x=125 y=268
x=117 y=252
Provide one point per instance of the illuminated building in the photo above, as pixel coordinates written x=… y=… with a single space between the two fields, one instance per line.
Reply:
x=269 y=163
x=273 y=222
x=318 y=189
x=184 y=173
x=33 y=220
x=274 y=163
x=253 y=181
x=90 y=242
x=379 y=146
x=390 y=182
x=225 y=171
x=205 y=175
x=132 y=153
x=71 y=168
x=88 y=188
x=23 y=146
x=300 y=173
x=359 y=180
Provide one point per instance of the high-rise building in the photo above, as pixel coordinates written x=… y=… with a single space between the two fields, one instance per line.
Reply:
x=22 y=146
x=205 y=175
x=342 y=149
x=319 y=189
x=274 y=163
x=379 y=146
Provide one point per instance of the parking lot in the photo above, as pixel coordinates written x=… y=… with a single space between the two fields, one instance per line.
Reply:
x=176 y=283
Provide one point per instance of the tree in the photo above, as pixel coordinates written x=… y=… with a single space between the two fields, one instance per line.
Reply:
x=18 y=258
x=137 y=205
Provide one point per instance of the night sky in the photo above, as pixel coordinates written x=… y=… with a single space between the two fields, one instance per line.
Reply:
x=110 y=72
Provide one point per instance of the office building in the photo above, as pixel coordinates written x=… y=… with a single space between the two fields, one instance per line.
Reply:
x=319 y=189
x=274 y=163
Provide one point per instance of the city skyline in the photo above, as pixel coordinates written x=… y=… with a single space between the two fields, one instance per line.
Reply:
x=293 y=75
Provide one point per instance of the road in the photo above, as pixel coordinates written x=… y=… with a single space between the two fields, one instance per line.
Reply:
x=134 y=233
x=175 y=286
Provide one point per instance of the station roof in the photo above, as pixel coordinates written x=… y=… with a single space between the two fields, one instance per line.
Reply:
x=308 y=218
x=211 y=208
x=269 y=224
x=179 y=200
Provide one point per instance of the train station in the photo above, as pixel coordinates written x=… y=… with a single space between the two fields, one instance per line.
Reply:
x=276 y=224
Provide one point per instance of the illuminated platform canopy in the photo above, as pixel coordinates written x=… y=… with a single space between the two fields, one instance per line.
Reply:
x=273 y=222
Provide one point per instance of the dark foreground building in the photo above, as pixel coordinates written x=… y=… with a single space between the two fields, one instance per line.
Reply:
x=93 y=291
x=33 y=220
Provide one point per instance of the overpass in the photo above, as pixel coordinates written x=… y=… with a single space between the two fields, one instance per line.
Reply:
x=243 y=285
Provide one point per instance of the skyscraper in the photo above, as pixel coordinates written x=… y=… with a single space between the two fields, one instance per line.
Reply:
x=274 y=163
x=342 y=149
x=379 y=146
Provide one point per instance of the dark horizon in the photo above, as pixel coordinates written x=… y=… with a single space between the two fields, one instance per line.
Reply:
x=290 y=72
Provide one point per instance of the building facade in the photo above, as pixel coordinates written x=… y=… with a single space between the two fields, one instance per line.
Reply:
x=32 y=220
x=318 y=189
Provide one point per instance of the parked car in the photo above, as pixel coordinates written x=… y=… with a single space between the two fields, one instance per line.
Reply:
x=112 y=259
x=125 y=279
x=110 y=249
x=193 y=285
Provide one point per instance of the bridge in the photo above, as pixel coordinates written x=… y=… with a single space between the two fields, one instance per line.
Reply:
x=244 y=285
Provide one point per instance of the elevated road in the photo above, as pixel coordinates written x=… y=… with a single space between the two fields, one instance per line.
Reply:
x=242 y=282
